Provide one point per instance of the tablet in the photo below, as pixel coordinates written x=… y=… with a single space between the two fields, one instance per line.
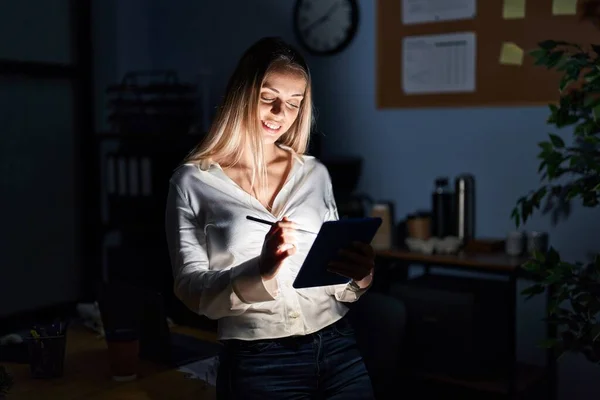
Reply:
x=333 y=236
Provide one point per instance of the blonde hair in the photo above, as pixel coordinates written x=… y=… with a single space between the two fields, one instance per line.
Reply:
x=236 y=126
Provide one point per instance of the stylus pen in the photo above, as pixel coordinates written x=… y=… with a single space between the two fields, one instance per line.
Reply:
x=262 y=221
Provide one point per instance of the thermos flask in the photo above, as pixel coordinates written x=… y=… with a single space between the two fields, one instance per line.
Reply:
x=464 y=191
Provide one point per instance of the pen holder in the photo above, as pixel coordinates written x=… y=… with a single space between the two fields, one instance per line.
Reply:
x=47 y=356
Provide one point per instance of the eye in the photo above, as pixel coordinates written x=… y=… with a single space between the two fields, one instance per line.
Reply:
x=293 y=105
x=267 y=99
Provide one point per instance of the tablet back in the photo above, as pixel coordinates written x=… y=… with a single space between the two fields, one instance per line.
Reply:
x=333 y=236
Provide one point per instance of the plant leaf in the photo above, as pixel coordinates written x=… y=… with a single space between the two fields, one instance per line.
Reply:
x=557 y=141
x=533 y=290
x=516 y=216
x=564 y=83
x=546 y=147
x=550 y=44
x=539 y=256
x=552 y=256
x=538 y=53
x=596 y=112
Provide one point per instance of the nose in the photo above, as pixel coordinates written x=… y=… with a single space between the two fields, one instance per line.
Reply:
x=276 y=108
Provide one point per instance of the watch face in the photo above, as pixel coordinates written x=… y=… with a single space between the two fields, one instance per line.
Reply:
x=325 y=26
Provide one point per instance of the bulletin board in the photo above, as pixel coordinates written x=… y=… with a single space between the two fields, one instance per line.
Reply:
x=501 y=33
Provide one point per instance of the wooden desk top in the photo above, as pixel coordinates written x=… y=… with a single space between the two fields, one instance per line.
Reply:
x=492 y=262
x=87 y=376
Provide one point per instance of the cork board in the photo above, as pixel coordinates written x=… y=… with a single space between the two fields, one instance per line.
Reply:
x=494 y=83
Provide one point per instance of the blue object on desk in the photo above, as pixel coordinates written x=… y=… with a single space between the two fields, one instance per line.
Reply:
x=333 y=237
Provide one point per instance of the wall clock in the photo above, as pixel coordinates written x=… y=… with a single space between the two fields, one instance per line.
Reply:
x=325 y=27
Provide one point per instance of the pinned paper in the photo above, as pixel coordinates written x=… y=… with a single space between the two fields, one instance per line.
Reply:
x=511 y=54
x=564 y=7
x=424 y=56
x=513 y=9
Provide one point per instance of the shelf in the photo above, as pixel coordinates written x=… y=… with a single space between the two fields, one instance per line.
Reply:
x=527 y=376
x=493 y=262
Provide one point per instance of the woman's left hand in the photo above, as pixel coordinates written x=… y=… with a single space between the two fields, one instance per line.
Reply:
x=356 y=263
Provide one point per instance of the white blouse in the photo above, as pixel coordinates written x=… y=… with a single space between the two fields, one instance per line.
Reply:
x=215 y=250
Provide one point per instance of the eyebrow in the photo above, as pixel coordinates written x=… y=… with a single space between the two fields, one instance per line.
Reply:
x=277 y=91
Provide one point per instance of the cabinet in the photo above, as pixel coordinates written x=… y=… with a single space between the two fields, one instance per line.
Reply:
x=392 y=266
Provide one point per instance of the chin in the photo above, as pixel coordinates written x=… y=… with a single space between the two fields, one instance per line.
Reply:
x=269 y=140
x=270 y=137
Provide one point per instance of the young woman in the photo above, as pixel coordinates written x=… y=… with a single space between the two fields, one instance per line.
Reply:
x=279 y=342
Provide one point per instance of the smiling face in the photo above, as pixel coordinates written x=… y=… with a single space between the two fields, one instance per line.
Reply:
x=280 y=100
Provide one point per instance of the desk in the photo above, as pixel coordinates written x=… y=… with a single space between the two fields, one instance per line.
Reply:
x=392 y=265
x=87 y=376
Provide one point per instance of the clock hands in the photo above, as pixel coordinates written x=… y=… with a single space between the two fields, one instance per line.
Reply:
x=322 y=19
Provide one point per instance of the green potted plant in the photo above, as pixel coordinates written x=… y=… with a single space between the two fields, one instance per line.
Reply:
x=6 y=382
x=570 y=172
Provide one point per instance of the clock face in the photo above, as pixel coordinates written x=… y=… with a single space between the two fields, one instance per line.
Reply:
x=325 y=26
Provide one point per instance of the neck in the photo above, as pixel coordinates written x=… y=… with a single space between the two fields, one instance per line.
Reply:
x=269 y=151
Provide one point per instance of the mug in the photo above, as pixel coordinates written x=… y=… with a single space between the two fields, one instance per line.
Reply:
x=537 y=241
x=515 y=243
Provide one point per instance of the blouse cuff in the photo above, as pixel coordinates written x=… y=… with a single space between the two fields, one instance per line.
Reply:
x=351 y=292
x=249 y=286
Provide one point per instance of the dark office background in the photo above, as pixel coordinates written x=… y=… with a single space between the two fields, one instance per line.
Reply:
x=48 y=149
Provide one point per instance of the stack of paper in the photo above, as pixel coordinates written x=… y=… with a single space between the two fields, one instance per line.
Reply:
x=204 y=370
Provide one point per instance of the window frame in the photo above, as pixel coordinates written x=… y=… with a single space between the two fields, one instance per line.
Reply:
x=80 y=73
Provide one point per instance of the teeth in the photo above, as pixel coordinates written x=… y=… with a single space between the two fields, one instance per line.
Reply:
x=271 y=125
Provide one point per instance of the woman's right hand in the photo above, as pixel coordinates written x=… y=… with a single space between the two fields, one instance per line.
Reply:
x=280 y=243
